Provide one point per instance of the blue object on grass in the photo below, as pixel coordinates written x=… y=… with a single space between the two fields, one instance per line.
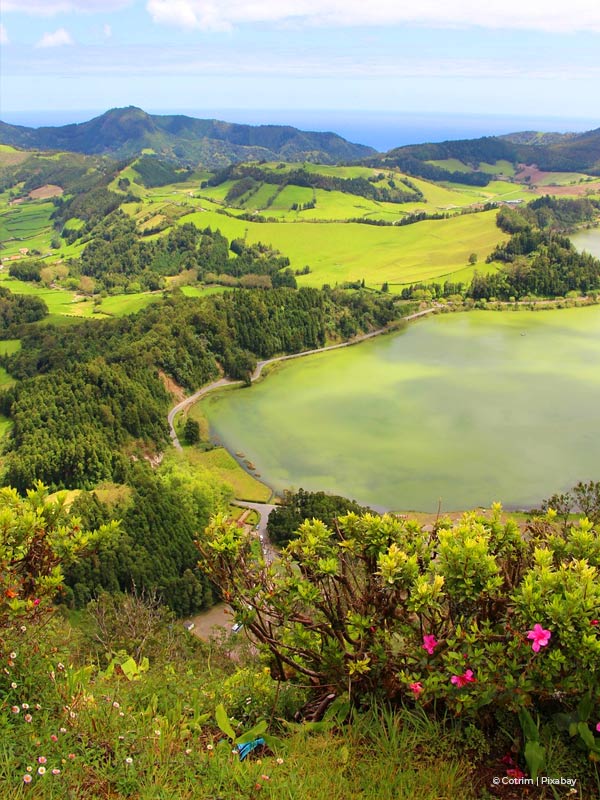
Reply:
x=246 y=748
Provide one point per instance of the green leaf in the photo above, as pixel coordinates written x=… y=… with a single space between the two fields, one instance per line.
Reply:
x=223 y=721
x=528 y=726
x=253 y=733
x=586 y=735
x=130 y=669
x=584 y=709
x=535 y=756
x=338 y=710
x=573 y=729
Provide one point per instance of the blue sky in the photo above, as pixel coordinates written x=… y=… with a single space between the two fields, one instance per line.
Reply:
x=538 y=58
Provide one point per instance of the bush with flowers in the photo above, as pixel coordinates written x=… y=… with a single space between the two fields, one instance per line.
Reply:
x=478 y=618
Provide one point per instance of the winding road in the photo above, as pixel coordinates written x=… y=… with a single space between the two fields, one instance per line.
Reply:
x=211 y=387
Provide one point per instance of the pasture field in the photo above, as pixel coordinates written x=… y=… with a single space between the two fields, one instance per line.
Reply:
x=10 y=156
x=407 y=420
x=5 y=379
x=260 y=199
x=27 y=225
x=501 y=167
x=561 y=178
x=60 y=302
x=201 y=291
x=64 y=303
x=119 y=305
x=339 y=252
x=9 y=346
x=323 y=169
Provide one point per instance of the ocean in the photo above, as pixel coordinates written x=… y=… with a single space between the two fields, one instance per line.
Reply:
x=379 y=129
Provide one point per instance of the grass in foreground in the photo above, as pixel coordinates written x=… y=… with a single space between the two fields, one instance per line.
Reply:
x=84 y=730
x=99 y=734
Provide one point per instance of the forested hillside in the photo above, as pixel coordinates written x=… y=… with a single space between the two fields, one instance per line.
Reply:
x=575 y=152
x=87 y=390
x=126 y=132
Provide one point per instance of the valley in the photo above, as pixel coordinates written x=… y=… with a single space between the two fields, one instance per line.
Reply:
x=201 y=321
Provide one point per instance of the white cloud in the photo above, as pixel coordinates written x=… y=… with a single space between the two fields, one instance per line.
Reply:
x=59 y=38
x=3 y=34
x=48 y=8
x=577 y=15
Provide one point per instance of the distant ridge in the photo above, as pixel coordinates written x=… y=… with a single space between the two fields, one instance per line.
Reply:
x=127 y=132
x=577 y=152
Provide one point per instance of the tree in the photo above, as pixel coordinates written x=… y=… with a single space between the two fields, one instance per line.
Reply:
x=298 y=506
x=473 y=259
x=191 y=431
x=38 y=540
x=385 y=287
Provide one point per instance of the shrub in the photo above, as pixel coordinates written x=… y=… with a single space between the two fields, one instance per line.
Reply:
x=476 y=617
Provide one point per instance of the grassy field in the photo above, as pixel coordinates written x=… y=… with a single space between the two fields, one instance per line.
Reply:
x=201 y=291
x=26 y=225
x=122 y=304
x=60 y=302
x=219 y=461
x=9 y=346
x=335 y=251
x=562 y=179
x=339 y=252
x=64 y=303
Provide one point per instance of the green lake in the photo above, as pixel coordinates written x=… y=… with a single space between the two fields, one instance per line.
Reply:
x=464 y=408
x=588 y=240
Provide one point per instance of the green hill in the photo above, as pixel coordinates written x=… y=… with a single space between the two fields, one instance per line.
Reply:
x=126 y=132
x=552 y=152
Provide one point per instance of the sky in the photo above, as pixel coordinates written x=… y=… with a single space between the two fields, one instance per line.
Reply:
x=527 y=59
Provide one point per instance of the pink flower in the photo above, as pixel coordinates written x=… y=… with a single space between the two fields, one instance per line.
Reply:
x=539 y=636
x=416 y=688
x=36 y=602
x=27 y=778
x=515 y=773
x=462 y=680
x=430 y=643
x=42 y=760
x=593 y=622
x=53 y=737
x=598 y=727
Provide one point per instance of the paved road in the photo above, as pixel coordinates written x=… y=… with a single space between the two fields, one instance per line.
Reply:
x=263 y=510
x=210 y=387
